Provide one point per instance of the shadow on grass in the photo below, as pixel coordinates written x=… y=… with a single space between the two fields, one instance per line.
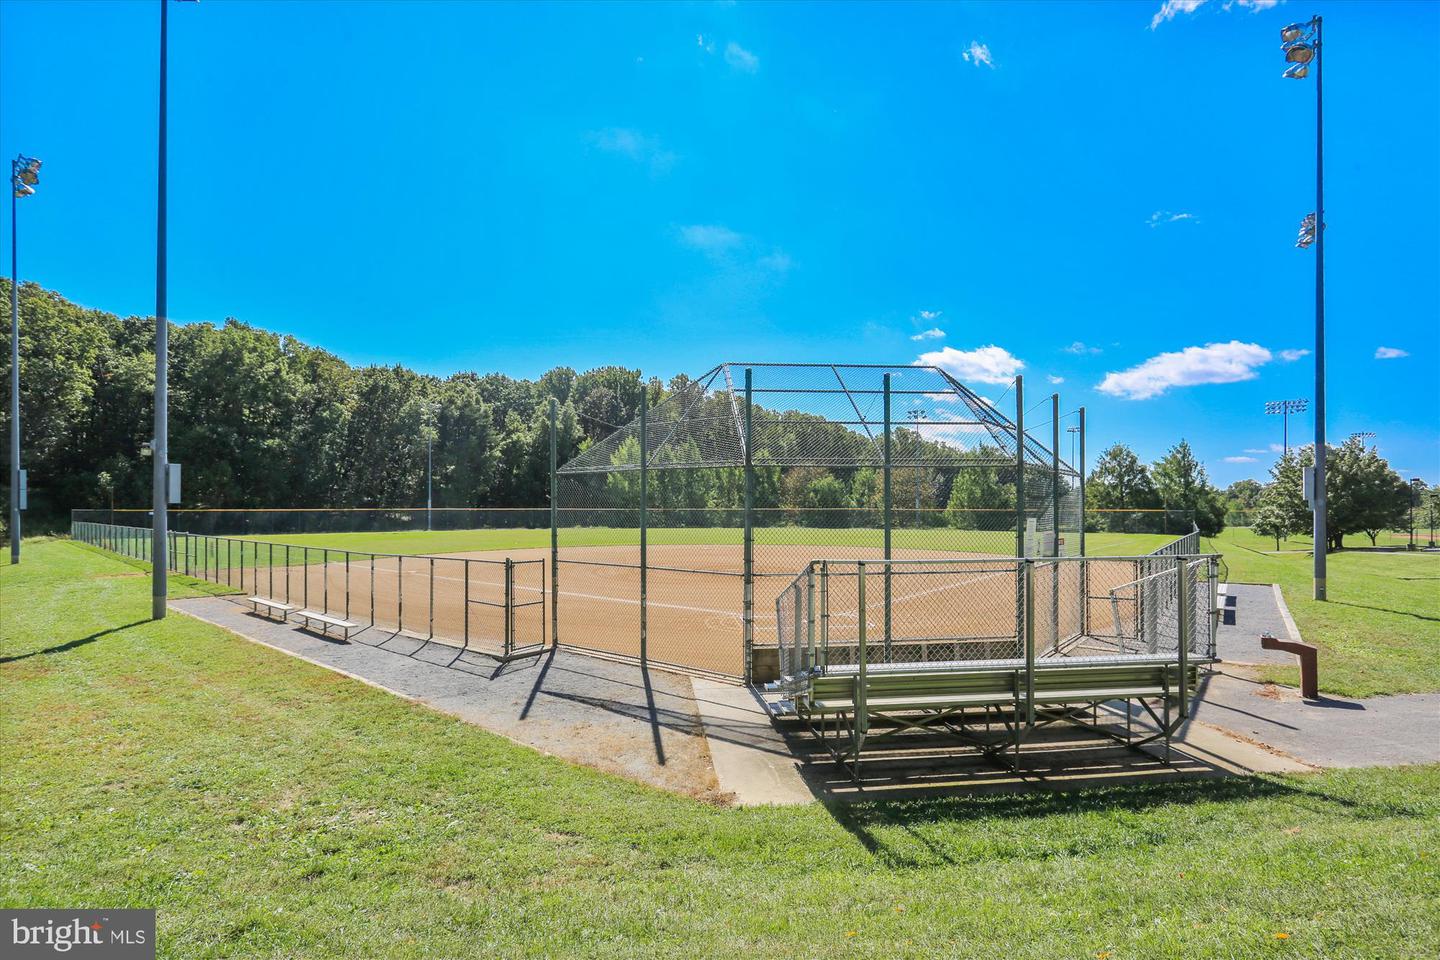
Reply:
x=1401 y=613
x=911 y=832
x=71 y=644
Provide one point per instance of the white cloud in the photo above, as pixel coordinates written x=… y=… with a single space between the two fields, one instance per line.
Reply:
x=1239 y=459
x=634 y=145
x=1213 y=363
x=934 y=333
x=979 y=54
x=740 y=58
x=710 y=238
x=1166 y=216
x=777 y=260
x=1054 y=379
x=1390 y=353
x=990 y=364
x=1256 y=450
x=1081 y=348
x=1290 y=356
x=930 y=314
x=1170 y=8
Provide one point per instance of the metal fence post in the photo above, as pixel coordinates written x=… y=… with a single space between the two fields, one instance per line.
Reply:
x=466 y=575
x=1055 y=521
x=1182 y=619
x=862 y=714
x=325 y=581
x=431 y=634
x=1019 y=465
x=554 y=524
x=644 y=517
x=508 y=641
x=1029 y=642
x=887 y=515
x=749 y=546
x=399 y=593
x=824 y=614
x=1084 y=564
x=809 y=617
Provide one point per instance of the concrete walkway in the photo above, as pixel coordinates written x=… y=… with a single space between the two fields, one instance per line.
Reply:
x=640 y=724
x=1329 y=732
x=714 y=740
x=1255 y=609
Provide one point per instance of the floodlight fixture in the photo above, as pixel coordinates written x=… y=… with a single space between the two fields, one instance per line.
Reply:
x=1299 y=52
x=1283 y=409
x=1306 y=236
x=1296 y=71
x=1293 y=32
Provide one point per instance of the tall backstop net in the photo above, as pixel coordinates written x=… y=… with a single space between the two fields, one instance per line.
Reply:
x=675 y=534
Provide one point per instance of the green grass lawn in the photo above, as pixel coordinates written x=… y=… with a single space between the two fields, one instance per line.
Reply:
x=464 y=541
x=269 y=808
x=1380 y=630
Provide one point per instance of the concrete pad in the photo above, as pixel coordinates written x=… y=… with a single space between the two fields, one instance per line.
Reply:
x=616 y=717
x=751 y=758
x=1329 y=732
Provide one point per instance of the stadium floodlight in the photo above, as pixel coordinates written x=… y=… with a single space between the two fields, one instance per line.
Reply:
x=1363 y=435
x=1283 y=409
x=24 y=175
x=1298 y=51
x=1306 y=236
x=1300 y=42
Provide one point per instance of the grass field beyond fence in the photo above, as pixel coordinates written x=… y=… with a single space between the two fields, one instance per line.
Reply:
x=1378 y=633
x=269 y=808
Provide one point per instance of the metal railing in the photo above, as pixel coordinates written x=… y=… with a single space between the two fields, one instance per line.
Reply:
x=933 y=614
x=495 y=608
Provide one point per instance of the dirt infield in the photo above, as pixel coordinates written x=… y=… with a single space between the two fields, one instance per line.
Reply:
x=694 y=600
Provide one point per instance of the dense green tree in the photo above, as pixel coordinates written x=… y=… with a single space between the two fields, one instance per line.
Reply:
x=1283 y=512
x=1118 y=486
x=1184 y=488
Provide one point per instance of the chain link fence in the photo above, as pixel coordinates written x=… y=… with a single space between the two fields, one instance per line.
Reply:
x=496 y=608
x=708 y=502
x=934 y=613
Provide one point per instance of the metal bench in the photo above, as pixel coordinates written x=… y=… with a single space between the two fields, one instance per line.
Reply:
x=326 y=622
x=273 y=606
x=840 y=708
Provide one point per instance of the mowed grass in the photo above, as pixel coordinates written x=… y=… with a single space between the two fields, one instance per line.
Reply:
x=1378 y=633
x=268 y=808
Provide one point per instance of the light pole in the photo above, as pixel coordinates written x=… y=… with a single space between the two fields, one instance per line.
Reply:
x=1300 y=43
x=1414 y=485
x=160 y=444
x=24 y=174
x=1283 y=409
x=1363 y=436
x=429 y=410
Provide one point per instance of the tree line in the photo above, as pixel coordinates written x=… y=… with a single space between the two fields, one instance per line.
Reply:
x=261 y=419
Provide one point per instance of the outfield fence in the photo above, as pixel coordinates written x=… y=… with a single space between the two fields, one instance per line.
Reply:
x=492 y=607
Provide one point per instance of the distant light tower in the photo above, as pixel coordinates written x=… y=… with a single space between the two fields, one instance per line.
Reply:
x=1300 y=42
x=1364 y=436
x=1073 y=431
x=1283 y=409
x=429 y=428
x=1414 y=486
x=916 y=416
x=24 y=174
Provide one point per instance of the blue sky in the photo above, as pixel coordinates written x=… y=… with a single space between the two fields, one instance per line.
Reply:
x=1104 y=194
